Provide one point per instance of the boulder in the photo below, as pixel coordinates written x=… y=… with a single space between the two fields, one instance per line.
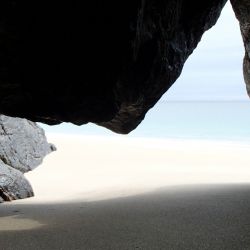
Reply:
x=13 y=184
x=23 y=146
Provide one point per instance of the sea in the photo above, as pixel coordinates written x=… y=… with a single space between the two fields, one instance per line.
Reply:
x=198 y=120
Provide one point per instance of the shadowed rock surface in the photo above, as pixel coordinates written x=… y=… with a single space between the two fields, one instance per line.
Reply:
x=242 y=12
x=23 y=146
x=106 y=62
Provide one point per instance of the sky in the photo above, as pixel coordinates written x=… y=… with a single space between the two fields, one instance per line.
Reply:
x=214 y=70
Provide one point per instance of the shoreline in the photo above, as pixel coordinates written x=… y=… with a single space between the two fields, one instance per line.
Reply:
x=95 y=168
x=124 y=138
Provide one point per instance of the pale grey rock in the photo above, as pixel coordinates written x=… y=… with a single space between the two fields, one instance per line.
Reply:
x=13 y=184
x=23 y=146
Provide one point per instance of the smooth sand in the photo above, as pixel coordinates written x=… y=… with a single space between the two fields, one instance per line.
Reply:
x=113 y=193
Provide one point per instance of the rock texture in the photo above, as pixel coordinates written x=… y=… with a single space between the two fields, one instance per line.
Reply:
x=106 y=62
x=13 y=185
x=242 y=12
x=23 y=146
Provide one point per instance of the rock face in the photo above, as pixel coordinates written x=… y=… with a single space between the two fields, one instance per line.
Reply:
x=106 y=62
x=23 y=146
x=13 y=184
x=242 y=12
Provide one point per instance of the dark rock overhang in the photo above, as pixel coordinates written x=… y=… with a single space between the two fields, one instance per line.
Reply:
x=106 y=62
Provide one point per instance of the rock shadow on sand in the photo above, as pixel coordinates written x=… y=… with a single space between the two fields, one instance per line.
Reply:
x=183 y=217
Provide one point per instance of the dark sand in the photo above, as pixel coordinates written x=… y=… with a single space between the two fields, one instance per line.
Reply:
x=188 y=217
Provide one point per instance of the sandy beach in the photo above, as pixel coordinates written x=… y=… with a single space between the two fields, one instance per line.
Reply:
x=129 y=193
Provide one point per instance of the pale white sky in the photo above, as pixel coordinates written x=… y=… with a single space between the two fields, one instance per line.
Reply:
x=214 y=70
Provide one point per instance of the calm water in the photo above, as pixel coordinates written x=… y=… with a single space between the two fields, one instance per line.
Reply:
x=196 y=120
x=201 y=120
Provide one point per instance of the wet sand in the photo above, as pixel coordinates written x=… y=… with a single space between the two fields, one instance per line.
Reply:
x=113 y=194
